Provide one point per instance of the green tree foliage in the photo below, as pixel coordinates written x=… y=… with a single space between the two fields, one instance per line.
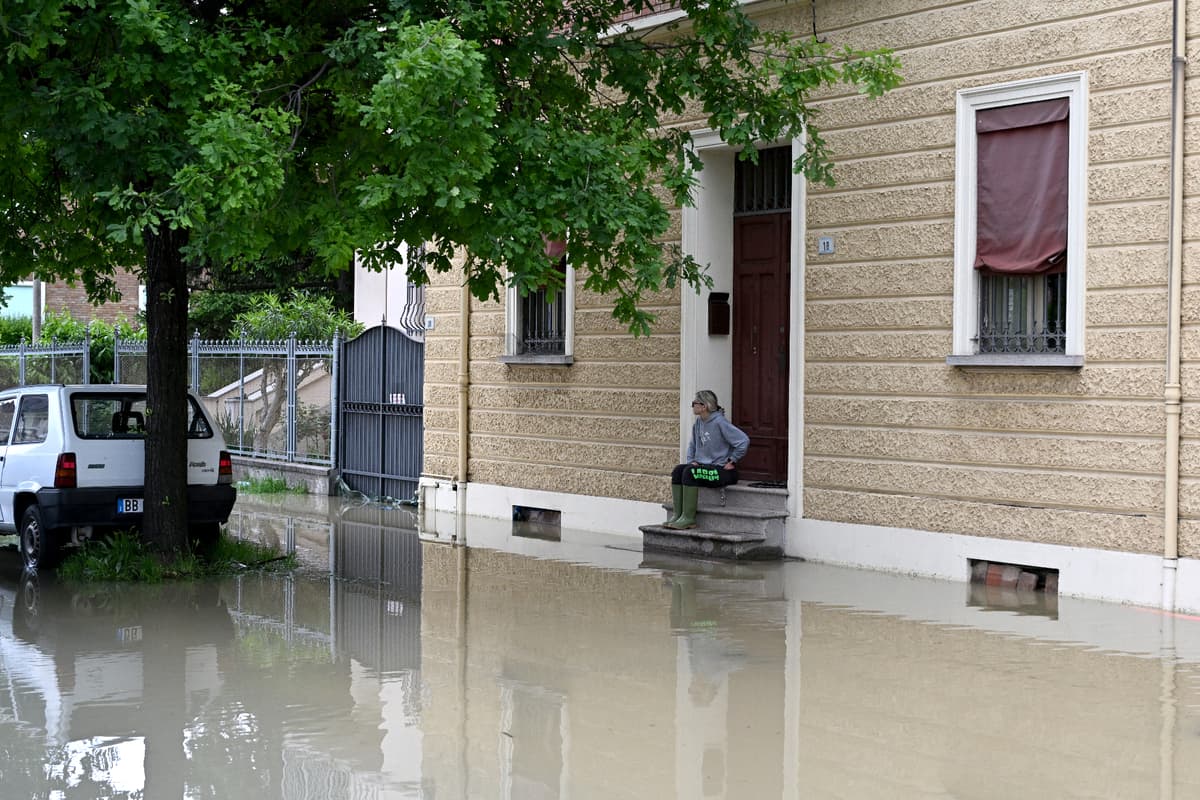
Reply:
x=213 y=314
x=311 y=317
x=213 y=134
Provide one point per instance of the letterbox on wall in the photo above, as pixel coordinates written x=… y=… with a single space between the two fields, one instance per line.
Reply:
x=718 y=313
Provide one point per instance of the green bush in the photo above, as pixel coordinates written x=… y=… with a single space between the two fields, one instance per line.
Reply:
x=14 y=330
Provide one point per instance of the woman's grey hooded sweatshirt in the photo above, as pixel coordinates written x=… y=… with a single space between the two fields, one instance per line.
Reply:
x=716 y=440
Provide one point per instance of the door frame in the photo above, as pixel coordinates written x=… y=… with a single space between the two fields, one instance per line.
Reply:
x=707 y=362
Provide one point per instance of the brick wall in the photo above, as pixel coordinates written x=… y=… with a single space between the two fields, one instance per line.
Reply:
x=61 y=296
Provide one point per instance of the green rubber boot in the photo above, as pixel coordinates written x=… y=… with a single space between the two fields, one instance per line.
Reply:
x=676 y=502
x=686 y=518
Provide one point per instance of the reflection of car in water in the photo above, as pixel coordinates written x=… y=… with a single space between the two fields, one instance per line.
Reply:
x=101 y=679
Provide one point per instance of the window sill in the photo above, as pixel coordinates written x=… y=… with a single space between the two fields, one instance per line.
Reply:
x=539 y=360
x=1048 y=361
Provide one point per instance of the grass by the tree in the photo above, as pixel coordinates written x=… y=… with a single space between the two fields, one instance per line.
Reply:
x=124 y=557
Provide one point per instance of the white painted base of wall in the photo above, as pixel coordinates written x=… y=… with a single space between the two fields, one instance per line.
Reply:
x=606 y=515
x=1110 y=575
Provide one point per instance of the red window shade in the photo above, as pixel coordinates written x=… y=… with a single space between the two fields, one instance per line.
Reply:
x=1021 y=179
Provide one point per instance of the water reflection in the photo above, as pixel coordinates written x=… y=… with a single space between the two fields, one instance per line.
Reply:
x=391 y=667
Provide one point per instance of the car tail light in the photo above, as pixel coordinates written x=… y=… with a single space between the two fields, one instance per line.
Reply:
x=64 y=471
x=225 y=468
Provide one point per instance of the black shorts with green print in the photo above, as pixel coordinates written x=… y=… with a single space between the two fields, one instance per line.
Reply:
x=703 y=475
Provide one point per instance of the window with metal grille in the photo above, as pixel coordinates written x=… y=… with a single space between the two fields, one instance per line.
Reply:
x=1020 y=176
x=765 y=187
x=543 y=322
x=1022 y=313
x=539 y=324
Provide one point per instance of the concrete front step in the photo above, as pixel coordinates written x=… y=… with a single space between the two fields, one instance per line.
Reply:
x=745 y=496
x=735 y=520
x=739 y=522
x=709 y=543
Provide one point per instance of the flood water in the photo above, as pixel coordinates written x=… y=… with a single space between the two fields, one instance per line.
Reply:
x=523 y=668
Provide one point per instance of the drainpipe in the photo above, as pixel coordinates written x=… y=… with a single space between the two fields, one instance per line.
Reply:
x=464 y=389
x=1172 y=391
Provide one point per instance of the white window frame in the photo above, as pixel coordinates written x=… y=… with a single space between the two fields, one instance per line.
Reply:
x=512 y=326
x=1072 y=86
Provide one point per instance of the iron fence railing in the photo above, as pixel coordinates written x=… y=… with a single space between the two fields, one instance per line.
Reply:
x=272 y=399
x=57 y=362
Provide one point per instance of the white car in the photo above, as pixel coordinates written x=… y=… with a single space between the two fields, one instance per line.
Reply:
x=72 y=462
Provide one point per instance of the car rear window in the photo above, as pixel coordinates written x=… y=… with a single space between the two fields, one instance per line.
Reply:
x=110 y=415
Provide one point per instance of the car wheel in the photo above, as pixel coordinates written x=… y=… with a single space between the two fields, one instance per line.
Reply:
x=39 y=545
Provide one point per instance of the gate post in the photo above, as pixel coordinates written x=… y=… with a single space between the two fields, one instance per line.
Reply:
x=195 y=356
x=335 y=378
x=242 y=390
x=291 y=397
x=87 y=351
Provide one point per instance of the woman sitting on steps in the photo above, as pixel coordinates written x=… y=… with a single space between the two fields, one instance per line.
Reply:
x=712 y=455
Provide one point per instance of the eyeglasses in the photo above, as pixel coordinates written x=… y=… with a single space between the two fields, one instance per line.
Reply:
x=697 y=403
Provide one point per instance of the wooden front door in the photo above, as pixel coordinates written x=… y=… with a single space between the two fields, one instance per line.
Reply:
x=761 y=288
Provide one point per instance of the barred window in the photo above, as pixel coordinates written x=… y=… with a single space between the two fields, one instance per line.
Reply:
x=1022 y=313
x=1020 y=207
x=539 y=325
x=544 y=321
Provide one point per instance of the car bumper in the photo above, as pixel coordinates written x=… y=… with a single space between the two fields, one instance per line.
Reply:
x=62 y=508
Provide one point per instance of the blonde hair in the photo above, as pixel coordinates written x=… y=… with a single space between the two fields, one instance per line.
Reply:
x=709 y=398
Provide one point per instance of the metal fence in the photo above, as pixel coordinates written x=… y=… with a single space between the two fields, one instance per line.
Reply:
x=58 y=362
x=271 y=399
x=284 y=400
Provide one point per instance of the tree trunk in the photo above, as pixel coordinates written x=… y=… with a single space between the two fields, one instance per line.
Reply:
x=273 y=392
x=164 y=522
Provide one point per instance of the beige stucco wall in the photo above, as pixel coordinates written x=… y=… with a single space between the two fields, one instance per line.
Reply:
x=605 y=425
x=894 y=436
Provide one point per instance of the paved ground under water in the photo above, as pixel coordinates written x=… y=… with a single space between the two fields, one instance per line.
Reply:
x=525 y=668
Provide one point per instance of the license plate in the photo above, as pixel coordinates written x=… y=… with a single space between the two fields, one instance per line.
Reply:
x=129 y=505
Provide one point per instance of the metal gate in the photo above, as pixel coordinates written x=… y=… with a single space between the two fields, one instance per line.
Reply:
x=381 y=424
